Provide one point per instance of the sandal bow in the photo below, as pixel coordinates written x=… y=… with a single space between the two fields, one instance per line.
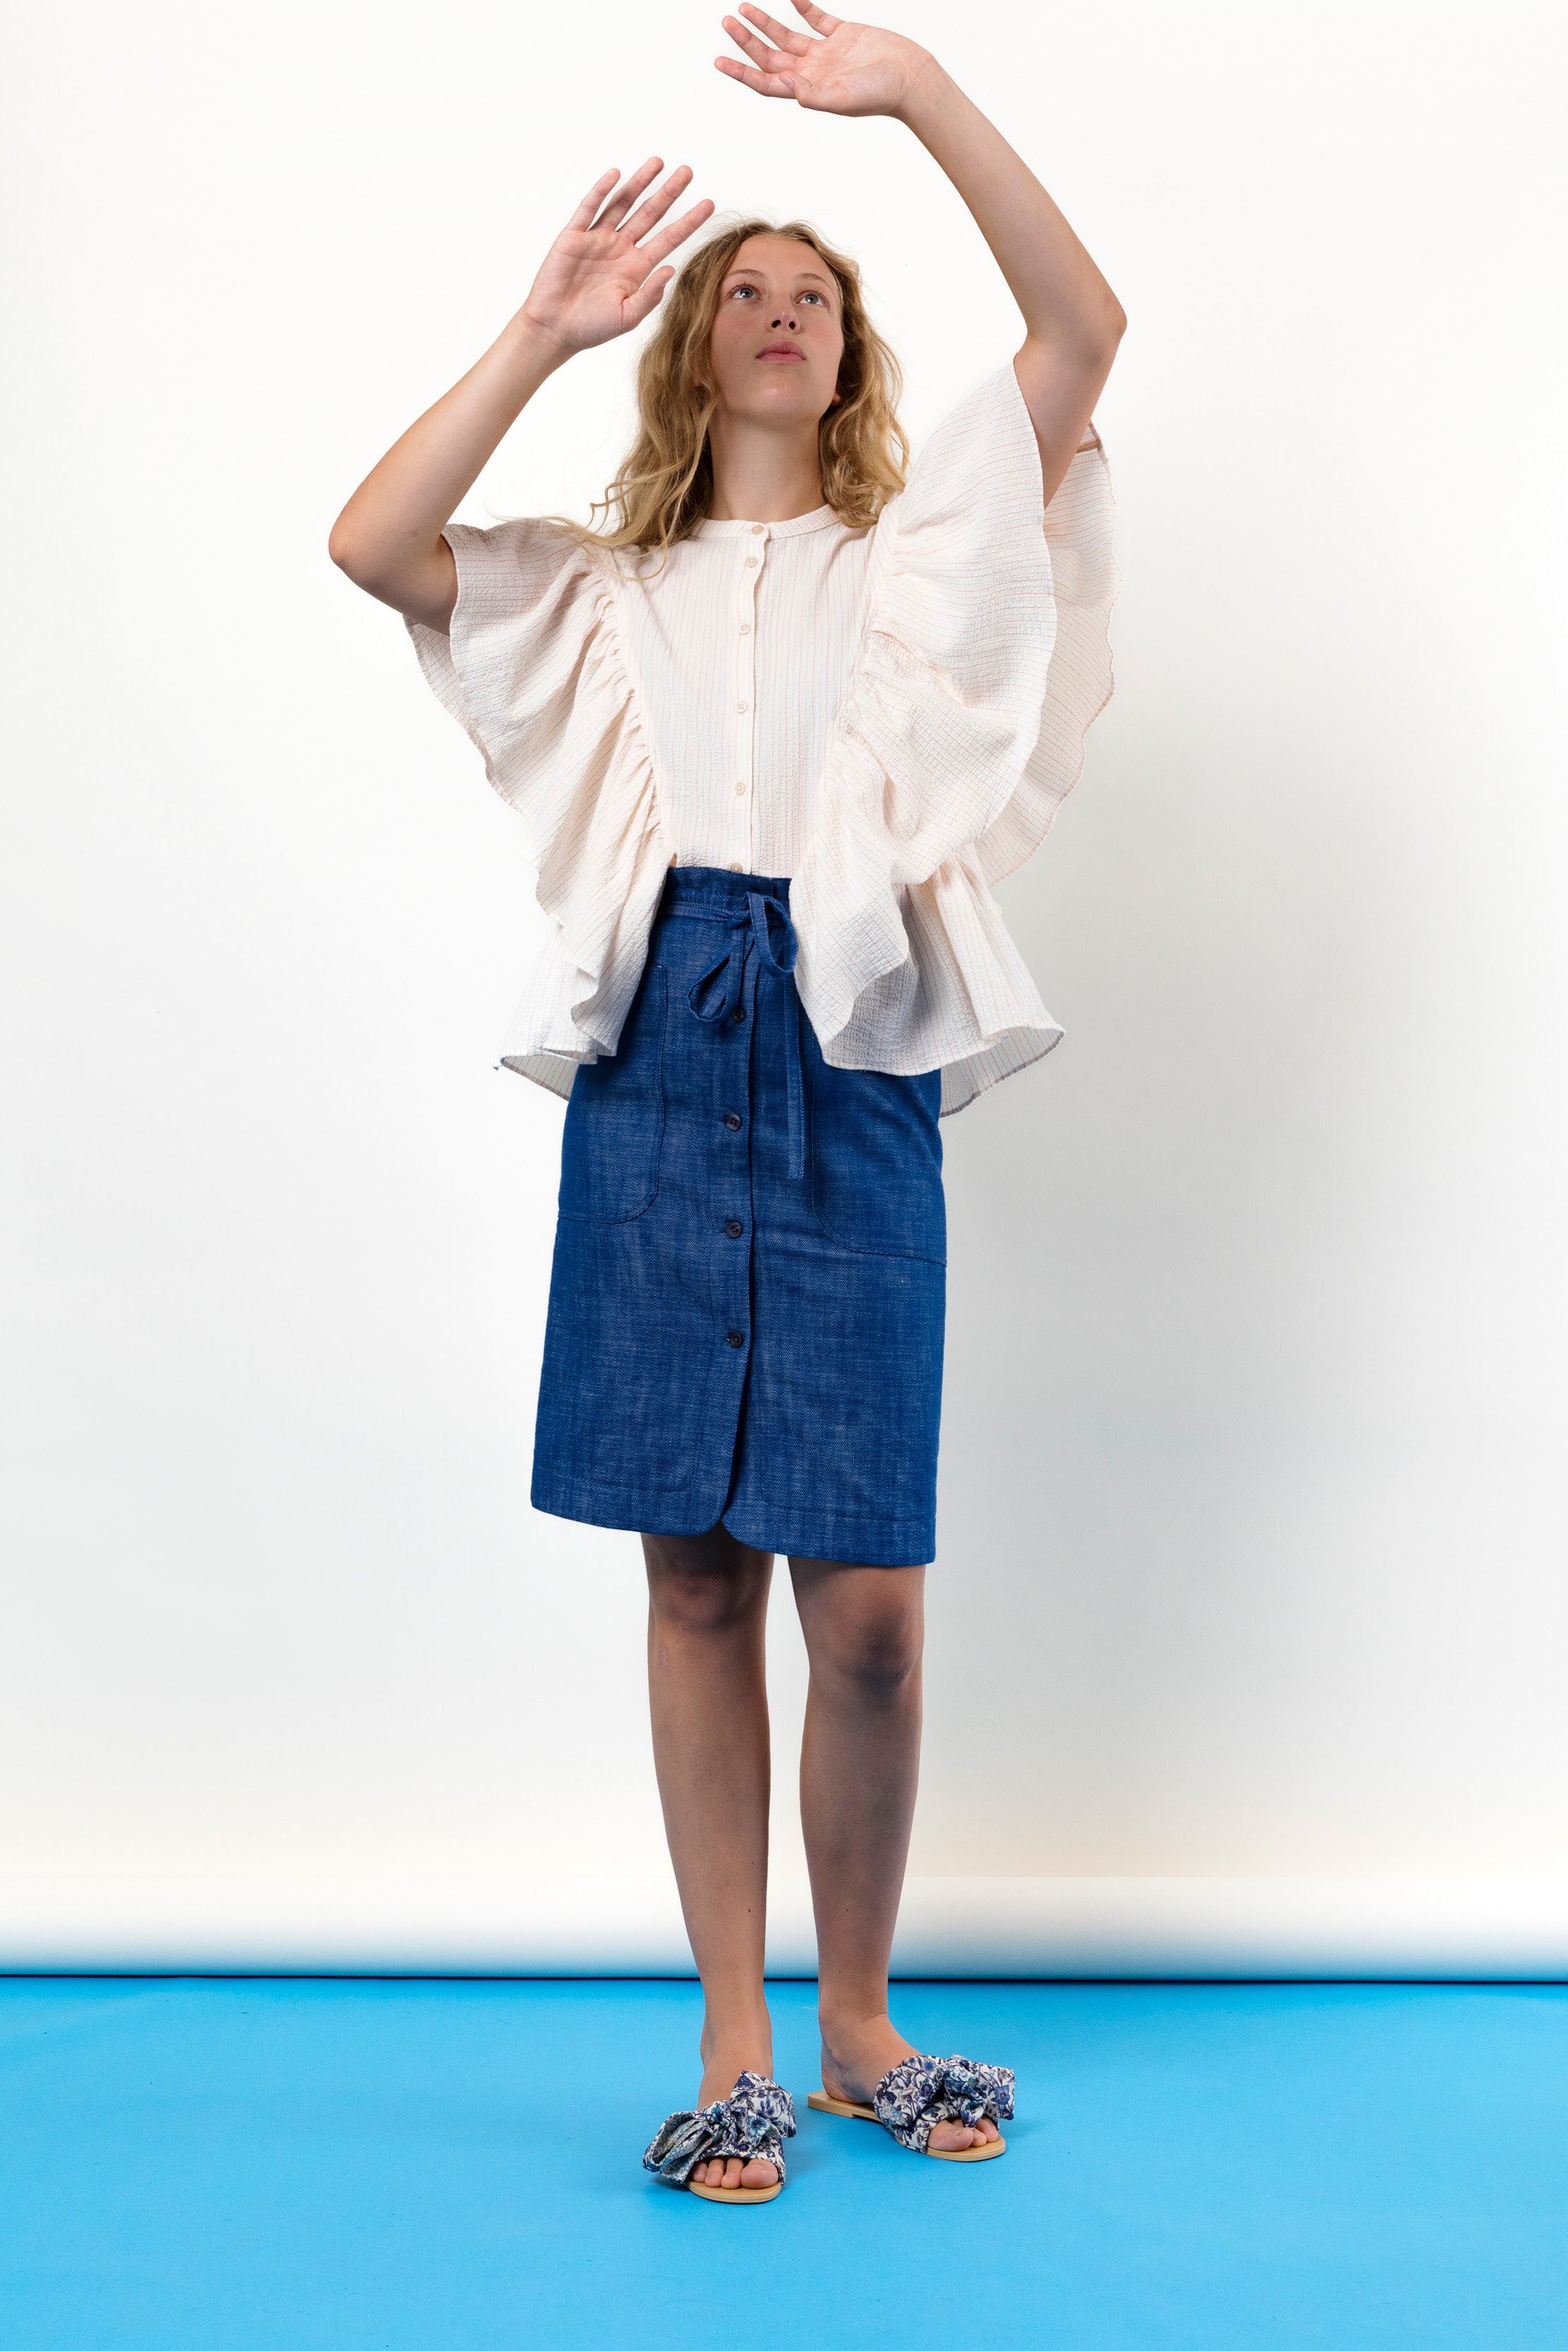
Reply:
x=921 y=2092
x=753 y=2122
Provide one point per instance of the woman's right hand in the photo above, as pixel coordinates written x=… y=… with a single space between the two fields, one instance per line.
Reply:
x=598 y=281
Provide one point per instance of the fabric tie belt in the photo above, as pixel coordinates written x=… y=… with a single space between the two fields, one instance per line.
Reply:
x=755 y=929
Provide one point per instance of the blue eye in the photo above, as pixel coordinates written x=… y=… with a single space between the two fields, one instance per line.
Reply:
x=810 y=294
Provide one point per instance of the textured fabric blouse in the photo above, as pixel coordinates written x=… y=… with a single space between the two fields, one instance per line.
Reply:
x=891 y=717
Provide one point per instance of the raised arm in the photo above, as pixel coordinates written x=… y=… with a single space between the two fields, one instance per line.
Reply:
x=598 y=280
x=1072 y=321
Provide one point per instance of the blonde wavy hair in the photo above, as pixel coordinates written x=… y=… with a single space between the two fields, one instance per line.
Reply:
x=664 y=487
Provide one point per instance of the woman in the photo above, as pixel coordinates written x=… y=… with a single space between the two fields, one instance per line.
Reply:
x=774 y=733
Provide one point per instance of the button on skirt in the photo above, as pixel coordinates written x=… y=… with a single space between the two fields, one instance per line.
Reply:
x=746 y=1303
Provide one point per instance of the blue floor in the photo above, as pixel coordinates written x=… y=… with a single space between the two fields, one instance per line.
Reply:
x=191 y=2165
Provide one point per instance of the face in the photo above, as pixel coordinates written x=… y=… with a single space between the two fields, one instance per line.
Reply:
x=778 y=333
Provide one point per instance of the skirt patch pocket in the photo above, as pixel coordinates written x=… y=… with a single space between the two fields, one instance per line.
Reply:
x=615 y=1119
x=876 y=1160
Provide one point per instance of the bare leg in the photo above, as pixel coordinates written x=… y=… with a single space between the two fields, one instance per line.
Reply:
x=708 y=1610
x=860 y=1765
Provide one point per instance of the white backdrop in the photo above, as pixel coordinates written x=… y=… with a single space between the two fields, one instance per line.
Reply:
x=1251 y=1509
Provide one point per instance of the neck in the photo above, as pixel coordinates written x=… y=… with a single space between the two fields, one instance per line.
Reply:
x=763 y=473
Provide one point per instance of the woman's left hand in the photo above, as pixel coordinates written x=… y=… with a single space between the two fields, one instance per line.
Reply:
x=851 y=70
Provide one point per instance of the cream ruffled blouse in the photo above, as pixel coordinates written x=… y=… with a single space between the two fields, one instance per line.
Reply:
x=890 y=716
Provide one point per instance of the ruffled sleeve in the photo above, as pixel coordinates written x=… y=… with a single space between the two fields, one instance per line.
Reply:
x=985 y=660
x=535 y=670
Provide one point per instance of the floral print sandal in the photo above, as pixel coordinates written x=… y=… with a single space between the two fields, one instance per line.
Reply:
x=921 y=2092
x=752 y=2123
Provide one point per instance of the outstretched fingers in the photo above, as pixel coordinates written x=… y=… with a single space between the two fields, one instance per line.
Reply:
x=676 y=232
x=607 y=202
x=771 y=71
x=587 y=210
x=765 y=85
x=612 y=214
x=769 y=75
x=658 y=203
x=640 y=304
x=785 y=35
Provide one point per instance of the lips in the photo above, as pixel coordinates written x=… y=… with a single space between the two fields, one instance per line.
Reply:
x=782 y=352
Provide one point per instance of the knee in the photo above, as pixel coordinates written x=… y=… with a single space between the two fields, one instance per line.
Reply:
x=875 y=1649
x=692 y=1595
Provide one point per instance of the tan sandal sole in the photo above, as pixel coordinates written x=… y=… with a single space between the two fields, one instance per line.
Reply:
x=735 y=2195
x=981 y=2154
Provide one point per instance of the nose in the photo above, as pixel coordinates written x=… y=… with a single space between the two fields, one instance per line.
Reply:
x=784 y=320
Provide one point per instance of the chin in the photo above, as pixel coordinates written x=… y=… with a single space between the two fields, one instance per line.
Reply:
x=785 y=399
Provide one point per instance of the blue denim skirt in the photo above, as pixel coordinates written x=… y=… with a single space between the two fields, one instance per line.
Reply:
x=747 y=1305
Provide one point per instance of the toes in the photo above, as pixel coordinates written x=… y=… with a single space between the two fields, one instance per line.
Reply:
x=729 y=2171
x=952 y=2138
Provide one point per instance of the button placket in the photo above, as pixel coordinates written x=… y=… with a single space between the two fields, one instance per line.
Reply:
x=755 y=543
x=732 y=1202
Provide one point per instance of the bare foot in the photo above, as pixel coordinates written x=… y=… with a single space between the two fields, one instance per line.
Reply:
x=725 y=2059
x=857 y=2053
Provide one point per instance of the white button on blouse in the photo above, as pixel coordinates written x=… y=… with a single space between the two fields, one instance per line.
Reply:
x=744 y=657
x=890 y=716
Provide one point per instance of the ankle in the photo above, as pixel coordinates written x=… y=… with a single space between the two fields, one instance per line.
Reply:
x=842 y=2019
x=742 y=2033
